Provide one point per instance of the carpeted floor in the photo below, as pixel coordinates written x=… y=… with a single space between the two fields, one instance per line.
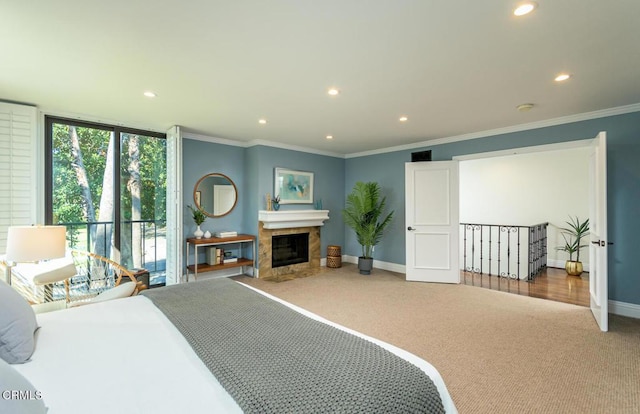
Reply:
x=498 y=352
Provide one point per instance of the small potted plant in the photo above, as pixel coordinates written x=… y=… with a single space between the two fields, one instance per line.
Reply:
x=199 y=218
x=572 y=236
x=364 y=214
x=275 y=202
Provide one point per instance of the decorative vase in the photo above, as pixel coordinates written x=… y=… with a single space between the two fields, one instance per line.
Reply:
x=365 y=264
x=573 y=268
x=276 y=206
x=207 y=234
x=198 y=233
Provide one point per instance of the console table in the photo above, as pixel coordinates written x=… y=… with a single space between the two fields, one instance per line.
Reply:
x=243 y=240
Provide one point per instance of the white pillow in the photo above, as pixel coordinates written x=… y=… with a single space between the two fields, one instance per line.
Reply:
x=17 y=326
x=123 y=290
x=55 y=274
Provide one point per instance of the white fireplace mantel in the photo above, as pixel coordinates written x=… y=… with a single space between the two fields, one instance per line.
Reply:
x=292 y=218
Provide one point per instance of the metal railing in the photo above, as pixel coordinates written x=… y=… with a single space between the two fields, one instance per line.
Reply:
x=499 y=249
x=96 y=237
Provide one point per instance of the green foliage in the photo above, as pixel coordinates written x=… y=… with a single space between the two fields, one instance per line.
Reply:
x=197 y=214
x=573 y=235
x=69 y=205
x=363 y=213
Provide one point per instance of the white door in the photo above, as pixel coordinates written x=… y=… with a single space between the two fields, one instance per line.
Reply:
x=598 y=277
x=224 y=196
x=431 y=211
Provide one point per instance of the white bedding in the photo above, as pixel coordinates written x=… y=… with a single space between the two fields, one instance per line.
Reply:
x=124 y=356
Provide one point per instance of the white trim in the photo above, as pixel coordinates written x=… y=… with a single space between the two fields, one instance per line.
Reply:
x=630 y=310
x=377 y=264
x=294 y=148
x=292 y=218
x=255 y=142
x=214 y=140
x=583 y=143
x=620 y=110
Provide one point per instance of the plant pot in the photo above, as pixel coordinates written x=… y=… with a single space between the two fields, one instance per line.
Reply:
x=365 y=264
x=573 y=268
x=198 y=233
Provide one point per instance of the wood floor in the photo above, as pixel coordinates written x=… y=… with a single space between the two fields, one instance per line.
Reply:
x=551 y=284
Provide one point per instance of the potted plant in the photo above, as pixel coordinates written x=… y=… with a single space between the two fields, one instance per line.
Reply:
x=199 y=218
x=275 y=202
x=572 y=236
x=363 y=214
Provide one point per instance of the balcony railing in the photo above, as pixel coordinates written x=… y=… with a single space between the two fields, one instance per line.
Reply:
x=96 y=237
x=500 y=249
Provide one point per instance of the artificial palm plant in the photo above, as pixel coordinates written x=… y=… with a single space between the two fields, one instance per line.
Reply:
x=572 y=236
x=363 y=213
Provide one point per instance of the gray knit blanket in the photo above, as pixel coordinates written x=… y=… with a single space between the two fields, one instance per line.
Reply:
x=272 y=359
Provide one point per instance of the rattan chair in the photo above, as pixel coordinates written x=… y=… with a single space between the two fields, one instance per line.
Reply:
x=77 y=279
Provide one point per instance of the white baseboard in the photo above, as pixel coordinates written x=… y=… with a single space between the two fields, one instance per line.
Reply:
x=392 y=267
x=630 y=310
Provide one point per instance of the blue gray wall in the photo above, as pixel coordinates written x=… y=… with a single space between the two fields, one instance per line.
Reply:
x=252 y=170
x=623 y=182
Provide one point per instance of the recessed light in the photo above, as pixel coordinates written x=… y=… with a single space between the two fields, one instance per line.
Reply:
x=524 y=8
x=562 y=77
x=524 y=107
x=329 y=137
x=403 y=119
x=150 y=94
x=333 y=92
x=262 y=121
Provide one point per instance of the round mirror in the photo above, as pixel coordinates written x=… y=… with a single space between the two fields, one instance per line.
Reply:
x=215 y=194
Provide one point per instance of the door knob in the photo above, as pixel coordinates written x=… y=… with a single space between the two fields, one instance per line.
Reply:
x=601 y=243
x=410 y=228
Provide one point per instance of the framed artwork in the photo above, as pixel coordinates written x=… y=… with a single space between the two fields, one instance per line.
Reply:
x=198 y=195
x=293 y=187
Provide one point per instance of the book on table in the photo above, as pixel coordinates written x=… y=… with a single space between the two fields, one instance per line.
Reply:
x=214 y=255
x=226 y=233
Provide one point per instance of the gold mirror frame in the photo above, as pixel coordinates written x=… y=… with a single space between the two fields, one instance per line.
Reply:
x=204 y=192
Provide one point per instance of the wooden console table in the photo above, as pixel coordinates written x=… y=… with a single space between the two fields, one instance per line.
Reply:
x=244 y=240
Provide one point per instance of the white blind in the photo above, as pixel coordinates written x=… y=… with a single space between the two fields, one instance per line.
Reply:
x=17 y=167
x=174 y=206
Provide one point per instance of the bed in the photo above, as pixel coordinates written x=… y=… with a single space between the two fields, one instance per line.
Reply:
x=127 y=356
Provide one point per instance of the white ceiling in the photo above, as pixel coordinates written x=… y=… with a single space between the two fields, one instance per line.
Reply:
x=453 y=68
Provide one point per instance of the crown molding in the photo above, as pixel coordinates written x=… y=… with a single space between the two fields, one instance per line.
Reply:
x=294 y=148
x=214 y=140
x=620 y=110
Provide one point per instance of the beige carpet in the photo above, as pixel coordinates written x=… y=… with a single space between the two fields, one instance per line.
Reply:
x=498 y=352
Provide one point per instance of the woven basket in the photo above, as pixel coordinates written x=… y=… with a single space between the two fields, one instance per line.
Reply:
x=334 y=262
x=334 y=251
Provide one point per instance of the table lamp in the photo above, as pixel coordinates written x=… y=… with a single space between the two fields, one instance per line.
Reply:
x=32 y=244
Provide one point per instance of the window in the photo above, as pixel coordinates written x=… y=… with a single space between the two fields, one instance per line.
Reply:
x=107 y=184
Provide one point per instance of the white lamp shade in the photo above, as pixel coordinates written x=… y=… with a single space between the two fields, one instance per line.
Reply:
x=33 y=243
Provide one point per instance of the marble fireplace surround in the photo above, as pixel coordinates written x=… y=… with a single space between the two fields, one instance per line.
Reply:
x=277 y=223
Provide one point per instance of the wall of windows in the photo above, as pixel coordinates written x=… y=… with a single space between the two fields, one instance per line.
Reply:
x=108 y=185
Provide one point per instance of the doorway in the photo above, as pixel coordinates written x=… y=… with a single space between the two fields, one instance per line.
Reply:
x=523 y=187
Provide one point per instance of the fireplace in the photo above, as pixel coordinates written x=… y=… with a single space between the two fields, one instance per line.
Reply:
x=289 y=249
x=304 y=224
